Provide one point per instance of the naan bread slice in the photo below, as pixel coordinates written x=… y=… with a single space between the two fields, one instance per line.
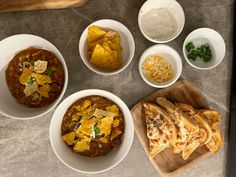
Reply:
x=161 y=129
x=187 y=127
x=190 y=147
x=205 y=132
x=213 y=118
x=171 y=108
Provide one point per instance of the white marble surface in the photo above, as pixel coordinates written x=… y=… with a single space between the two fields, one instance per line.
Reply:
x=25 y=149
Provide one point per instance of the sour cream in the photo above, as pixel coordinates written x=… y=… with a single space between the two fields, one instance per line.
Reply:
x=159 y=24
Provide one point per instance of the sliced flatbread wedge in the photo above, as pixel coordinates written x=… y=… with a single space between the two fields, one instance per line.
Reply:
x=161 y=129
x=213 y=118
x=190 y=147
x=205 y=132
x=171 y=108
x=187 y=127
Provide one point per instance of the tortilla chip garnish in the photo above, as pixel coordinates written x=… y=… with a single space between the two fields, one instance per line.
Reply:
x=101 y=58
x=25 y=75
x=95 y=33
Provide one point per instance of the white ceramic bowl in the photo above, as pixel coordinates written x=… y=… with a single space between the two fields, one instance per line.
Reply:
x=170 y=55
x=202 y=36
x=173 y=7
x=82 y=163
x=127 y=44
x=9 y=47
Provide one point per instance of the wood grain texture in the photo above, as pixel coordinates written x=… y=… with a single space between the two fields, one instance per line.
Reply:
x=167 y=163
x=24 y=5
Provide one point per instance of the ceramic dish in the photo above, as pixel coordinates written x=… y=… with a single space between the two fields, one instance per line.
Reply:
x=216 y=42
x=9 y=47
x=86 y=164
x=170 y=55
x=173 y=7
x=127 y=44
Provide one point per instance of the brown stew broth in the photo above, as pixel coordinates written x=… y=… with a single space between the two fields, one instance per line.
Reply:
x=68 y=126
x=14 y=71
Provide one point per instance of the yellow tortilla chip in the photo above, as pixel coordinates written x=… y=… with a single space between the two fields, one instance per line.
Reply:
x=30 y=89
x=85 y=104
x=100 y=113
x=116 y=123
x=69 y=138
x=114 y=109
x=25 y=75
x=91 y=45
x=101 y=58
x=44 y=90
x=95 y=33
x=115 y=133
x=107 y=47
x=105 y=126
x=86 y=126
x=103 y=140
x=42 y=79
x=81 y=146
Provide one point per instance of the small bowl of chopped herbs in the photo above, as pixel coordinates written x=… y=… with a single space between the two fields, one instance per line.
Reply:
x=204 y=48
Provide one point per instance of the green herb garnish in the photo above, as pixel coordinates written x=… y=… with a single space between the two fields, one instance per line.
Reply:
x=31 y=81
x=203 y=52
x=189 y=46
x=96 y=130
x=31 y=62
x=49 y=72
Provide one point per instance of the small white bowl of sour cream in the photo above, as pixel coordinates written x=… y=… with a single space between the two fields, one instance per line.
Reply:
x=161 y=21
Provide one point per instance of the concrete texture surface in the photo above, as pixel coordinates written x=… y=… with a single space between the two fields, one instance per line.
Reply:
x=25 y=149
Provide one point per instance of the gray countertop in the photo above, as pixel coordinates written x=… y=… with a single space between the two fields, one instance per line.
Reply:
x=25 y=149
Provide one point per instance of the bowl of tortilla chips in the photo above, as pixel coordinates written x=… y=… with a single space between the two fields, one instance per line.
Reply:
x=106 y=47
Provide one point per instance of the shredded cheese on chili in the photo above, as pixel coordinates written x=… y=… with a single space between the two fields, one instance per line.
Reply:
x=157 y=69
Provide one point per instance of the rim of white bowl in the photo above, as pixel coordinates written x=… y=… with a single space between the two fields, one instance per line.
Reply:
x=81 y=50
x=142 y=59
x=154 y=40
x=97 y=92
x=54 y=104
x=184 y=52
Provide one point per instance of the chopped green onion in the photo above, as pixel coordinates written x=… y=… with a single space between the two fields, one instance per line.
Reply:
x=49 y=72
x=203 y=52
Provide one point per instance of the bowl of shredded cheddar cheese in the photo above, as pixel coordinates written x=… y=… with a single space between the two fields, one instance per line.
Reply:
x=160 y=66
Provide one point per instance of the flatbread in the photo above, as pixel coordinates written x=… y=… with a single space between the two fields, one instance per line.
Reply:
x=205 y=132
x=161 y=129
x=187 y=127
x=213 y=118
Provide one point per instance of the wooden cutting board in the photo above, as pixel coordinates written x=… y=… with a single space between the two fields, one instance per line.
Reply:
x=167 y=163
x=24 y=5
